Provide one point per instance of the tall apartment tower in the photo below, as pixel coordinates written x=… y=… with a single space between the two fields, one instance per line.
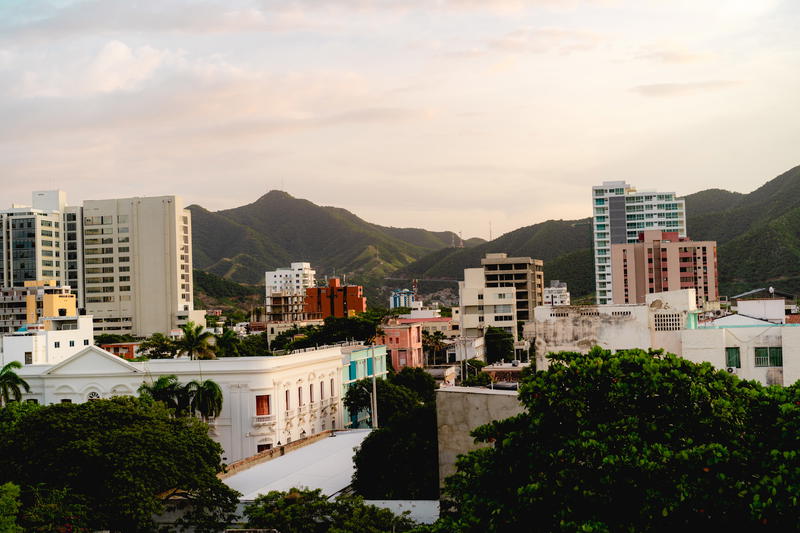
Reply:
x=137 y=255
x=620 y=213
x=524 y=274
x=31 y=240
x=662 y=261
x=128 y=261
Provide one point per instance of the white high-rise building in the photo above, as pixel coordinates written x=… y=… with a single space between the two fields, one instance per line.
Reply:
x=620 y=213
x=138 y=264
x=129 y=261
x=481 y=306
x=292 y=280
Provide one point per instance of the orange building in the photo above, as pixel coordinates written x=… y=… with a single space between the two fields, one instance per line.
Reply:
x=335 y=300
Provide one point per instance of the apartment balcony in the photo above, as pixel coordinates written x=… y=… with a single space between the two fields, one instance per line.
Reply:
x=263 y=420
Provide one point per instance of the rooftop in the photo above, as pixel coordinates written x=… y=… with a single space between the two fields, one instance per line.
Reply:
x=326 y=464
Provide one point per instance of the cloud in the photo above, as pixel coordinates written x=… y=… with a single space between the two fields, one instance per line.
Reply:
x=680 y=89
x=541 y=40
x=674 y=56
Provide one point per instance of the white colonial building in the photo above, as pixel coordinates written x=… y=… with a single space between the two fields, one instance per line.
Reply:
x=267 y=401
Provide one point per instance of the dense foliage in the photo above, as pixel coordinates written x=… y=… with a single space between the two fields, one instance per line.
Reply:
x=9 y=508
x=634 y=441
x=362 y=327
x=398 y=460
x=125 y=459
x=499 y=344
x=308 y=511
x=218 y=287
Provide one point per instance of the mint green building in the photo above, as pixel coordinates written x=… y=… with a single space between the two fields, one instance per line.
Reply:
x=359 y=362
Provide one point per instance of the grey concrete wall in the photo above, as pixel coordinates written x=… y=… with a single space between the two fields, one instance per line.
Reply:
x=459 y=410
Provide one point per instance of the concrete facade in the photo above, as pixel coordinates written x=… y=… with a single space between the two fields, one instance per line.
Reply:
x=403 y=344
x=523 y=274
x=481 y=306
x=267 y=401
x=459 y=410
x=655 y=324
x=663 y=261
x=47 y=342
x=294 y=279
x=128 y=260
x=556 y=294
x=619 y=213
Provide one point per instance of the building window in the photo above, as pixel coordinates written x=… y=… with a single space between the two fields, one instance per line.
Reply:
x=262 y=405
x=263 y=447
x=321 y=390
x=333 y=393
x=311 y=392
x=66 y=400
x=299 y=396
x=92 y=396
x=57 y=344
x=28 y=358
x=287 y=399
x=732 y=357
x=86 y=342
x=772 y=356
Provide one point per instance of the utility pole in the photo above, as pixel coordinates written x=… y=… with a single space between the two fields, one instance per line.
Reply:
x=374 y=390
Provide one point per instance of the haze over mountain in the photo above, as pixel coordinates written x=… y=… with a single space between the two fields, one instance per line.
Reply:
x=758 y=236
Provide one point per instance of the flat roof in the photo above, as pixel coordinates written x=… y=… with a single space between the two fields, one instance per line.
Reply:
x=326 y=464
x=476 y=390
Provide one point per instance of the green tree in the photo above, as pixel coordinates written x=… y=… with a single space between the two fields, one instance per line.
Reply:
x=169 y=391
x=196 y=343
x=206 y=398
x=392 y=399
x=227 y=344
x=9 y=508
x=416 y=380
x=111 y=338
x=125 y=459
x=11 y=385
x=255 y=345
x=499 y=344
x=55 y=510
x=634 y=441
x=308 y=511
x=158 y=346
x=399 y=461
x=434 y=344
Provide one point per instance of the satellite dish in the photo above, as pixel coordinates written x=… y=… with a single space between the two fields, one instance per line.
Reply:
x=772 y=290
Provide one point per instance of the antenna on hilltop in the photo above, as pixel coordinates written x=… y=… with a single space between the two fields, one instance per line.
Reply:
x=490 y=230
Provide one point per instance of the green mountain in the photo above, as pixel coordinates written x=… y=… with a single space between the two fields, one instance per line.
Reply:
x=758 y=236
x=242 y=243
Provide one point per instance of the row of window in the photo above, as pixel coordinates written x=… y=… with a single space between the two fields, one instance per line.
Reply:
x=771 y=356
x=264 y=401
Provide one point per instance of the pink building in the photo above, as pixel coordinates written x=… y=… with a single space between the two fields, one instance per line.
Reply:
x=663 y=261
x=403 y=344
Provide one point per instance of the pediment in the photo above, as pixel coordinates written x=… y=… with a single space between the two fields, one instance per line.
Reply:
x=93 y=360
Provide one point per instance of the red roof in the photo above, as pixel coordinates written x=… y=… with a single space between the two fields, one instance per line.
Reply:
x=793 y=319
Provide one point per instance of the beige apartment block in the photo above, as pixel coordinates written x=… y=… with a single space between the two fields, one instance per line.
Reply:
x=523 y=274
x=138 y=264
x=663 y=261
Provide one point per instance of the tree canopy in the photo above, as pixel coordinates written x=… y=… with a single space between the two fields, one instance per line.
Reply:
x=123 y=458
x=634 y=441
x=308 y=511
x=499 y=344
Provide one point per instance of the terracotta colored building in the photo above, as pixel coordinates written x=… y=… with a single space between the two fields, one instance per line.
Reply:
x=663 y=261
x=335 y=300
x=403 y=344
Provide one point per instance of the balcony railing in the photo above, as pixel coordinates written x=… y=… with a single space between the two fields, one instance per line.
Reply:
x=290 y=413
x=261 y=420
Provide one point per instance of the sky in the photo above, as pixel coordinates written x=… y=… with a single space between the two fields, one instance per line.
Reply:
x=442 y=114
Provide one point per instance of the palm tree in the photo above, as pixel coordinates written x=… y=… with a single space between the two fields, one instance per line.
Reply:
x=206 y=398
x=169 y=391
x=227 y=344
x=195 y=342
x=433 y=343
x=11 y=383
